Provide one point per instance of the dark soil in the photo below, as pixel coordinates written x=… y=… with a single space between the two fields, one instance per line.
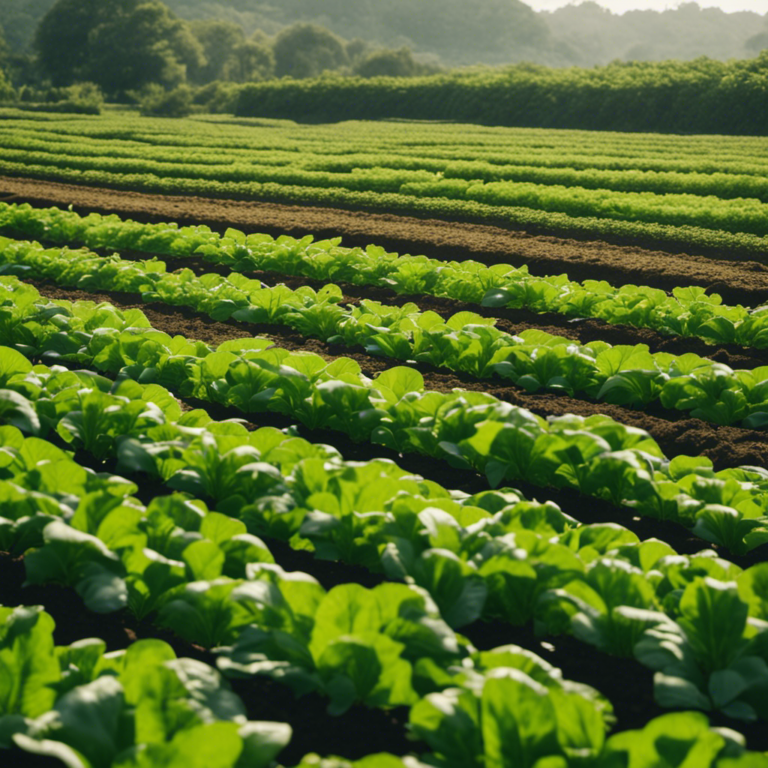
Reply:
x=738 y=281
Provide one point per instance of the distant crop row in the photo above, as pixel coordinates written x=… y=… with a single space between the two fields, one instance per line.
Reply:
x=737 y=215
x=686 y=166
x=389 y=172
x=660 y=205
x=702 y=153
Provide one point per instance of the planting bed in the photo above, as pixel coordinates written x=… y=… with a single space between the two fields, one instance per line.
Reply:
x=618 y=583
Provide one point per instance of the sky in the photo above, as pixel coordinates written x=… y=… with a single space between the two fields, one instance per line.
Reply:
x=619 y=6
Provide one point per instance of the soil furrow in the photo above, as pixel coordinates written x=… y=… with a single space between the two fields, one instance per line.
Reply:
x=673 y=430
x=514 y=321
x=737 y=280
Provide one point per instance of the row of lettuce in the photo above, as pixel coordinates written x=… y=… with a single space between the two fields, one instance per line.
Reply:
x=140 y=707
x=628 y=375
x=596 y=455
x=689 y=312
x=550 y=161
x=205 y=576
x=436 y=148
x=388 y=645
x=85 y=421
x=680 y=222
x=560 y=193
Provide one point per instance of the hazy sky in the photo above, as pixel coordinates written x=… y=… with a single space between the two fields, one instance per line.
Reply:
x=619 y=6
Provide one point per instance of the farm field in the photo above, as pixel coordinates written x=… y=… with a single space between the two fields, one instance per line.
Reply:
x=700 y=194
x=414 y=444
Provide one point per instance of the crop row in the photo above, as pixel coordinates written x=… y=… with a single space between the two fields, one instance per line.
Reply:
x=597 y=455
x=370 y=145
x=725 y=225
x=201 y=574
x=466 y=342
x=136 y=708
x=603 y=196
x=556 y=170
x=740 y=215
x=598 y=581
x=689 y=312
x=384 y=645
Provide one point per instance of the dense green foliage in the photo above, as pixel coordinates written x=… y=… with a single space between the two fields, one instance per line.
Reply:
x=499 y=32
x=599 y=582
x=304 y=50
x=597 y=456
x=703 y=96
x=493 y=33
x=7 y=92
x=126 y=45
x=19 y=20
x=186 y=562
x=118 y=44
x=492 y=30
x=76 y=40
x=138 y=707
x=699 y=621
x=122 y=45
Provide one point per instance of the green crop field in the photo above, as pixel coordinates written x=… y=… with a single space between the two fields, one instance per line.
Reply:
x=682 y=192
x=268 y=497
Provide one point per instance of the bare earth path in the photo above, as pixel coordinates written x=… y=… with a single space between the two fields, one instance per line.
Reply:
x=742 y=282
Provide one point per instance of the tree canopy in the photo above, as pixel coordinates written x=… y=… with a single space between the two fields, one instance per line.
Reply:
x=124 y=45
x=20 y=19
x=306 y=50
x=459 y=32
x=118 y=44
x=3 y=47
x=218 y=39
x=389 y=63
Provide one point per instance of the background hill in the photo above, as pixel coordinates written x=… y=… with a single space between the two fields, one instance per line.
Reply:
x=485 y=31
x=597 y=36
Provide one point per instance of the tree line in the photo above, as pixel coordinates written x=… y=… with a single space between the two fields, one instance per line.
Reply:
x=134 y=48
x=140 y=51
